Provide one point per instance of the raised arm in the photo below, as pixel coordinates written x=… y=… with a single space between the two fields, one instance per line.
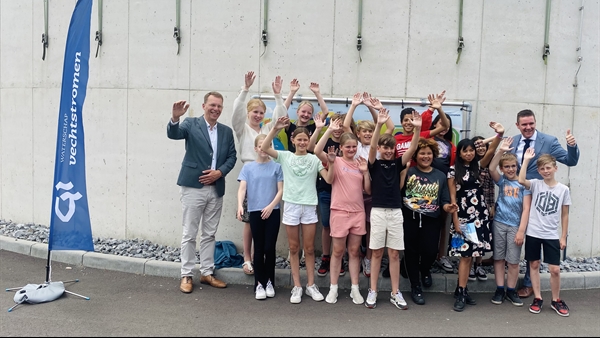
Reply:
x=382 y=118
x=356 y=100
x=570 y=157
x=366 y=100
x=280 y=108
x=240 y=114
x=363 y=166
x=314 y=87
x=499 y=129
x=529 y=154
x=314 y=138
x=504 y=148
x=319 y=148
x=436 y=103
x=281 y=123
x=378 y=106
x=294 y=87
x=414 y=142
x=328 y=174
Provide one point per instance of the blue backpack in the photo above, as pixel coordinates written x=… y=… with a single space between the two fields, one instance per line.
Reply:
x=226 y=255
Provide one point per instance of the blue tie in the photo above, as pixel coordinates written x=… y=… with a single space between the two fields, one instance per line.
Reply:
x=527 y=142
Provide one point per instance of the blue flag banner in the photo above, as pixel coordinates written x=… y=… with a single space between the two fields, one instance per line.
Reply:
x=70 y=227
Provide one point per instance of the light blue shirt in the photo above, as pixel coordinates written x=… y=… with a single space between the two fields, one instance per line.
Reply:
x=212 y=133
x=521 y=146
x=261 y=183
x=509 y=205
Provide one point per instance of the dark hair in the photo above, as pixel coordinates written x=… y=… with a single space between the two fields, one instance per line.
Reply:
x=448 y=135
x=475 y=139
x=427 y=143
x=387 y=140
x=404 y=112
x=525 y=113
x=459 y=166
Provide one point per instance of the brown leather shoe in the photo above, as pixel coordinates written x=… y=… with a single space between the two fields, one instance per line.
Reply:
x=212 y=281
x=525 y=292
x=187 y=285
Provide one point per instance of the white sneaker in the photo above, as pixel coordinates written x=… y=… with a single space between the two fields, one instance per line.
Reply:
x=313 y=291
x=332 y=295
x=371 y=302
x=270 y=290
x=398 y=300
x=296 y=297
x=366 y=265
x=357 y=298
x=445 y=264
x=260 y=292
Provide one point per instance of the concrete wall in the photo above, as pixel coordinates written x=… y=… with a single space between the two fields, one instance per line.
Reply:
x=409 y=50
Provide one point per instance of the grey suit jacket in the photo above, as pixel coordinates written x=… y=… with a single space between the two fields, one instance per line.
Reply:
x=547 y=144
x=198 y=151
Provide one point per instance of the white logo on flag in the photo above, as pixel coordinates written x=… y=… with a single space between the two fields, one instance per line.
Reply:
x=66 y=196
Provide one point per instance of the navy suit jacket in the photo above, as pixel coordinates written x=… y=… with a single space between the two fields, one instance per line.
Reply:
x=547 y=144
x=198 y=151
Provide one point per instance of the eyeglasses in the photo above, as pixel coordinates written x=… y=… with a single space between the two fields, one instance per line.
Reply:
x=509 y=166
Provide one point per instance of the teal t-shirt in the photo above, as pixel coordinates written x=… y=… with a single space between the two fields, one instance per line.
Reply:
x=300 y=175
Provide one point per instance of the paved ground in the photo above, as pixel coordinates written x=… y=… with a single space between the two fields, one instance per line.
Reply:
x=126 y=304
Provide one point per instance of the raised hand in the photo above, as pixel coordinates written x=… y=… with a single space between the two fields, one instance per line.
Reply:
x=277 y=84
x=375 y=103
x=357 y=99
x=367 y=100
x=331 y=154
x=441 y=97
x=363 y=165
x=383 y=116
x=434 y=103
x=282 y=122
x=314 y=87
x=499 y=128
x=416 y=119
x=320 y=120
x=570 y=138
x=249 y=79
x=335 y=125
x=179 y=108
x=529 y=154
x=294 y=85
x=505 y=145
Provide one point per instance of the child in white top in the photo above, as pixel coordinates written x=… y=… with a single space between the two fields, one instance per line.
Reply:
x=300 y=171
x=549 y=208
x=247 y=125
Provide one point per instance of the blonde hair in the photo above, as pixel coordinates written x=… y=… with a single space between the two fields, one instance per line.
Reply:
x=347 y=137
x=365 y=125
x=259 y=138
x=546 y=159
x=508 y=157
x=304 y=103
x=255 y=103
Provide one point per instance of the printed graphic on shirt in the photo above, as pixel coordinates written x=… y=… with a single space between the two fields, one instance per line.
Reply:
x=301 y=165
x=421 y=195
x=546 y=203
x=401 y=148
x=444 y=150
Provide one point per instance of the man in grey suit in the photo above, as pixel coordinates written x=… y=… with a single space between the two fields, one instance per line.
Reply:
x=210 y=155
x=542 y=144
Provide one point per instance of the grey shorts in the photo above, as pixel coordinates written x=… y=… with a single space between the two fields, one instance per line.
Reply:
x=504 y=243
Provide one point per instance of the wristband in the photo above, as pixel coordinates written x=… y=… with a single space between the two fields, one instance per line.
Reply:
x=498 y=135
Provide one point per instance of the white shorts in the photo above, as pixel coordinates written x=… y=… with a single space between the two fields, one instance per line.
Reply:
x=387 y=229
x=295 y=214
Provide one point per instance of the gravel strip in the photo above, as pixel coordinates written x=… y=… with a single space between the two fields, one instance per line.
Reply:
x=141 y=248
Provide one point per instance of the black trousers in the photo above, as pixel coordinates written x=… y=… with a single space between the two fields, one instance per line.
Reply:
x=264 y=235
x=421 y=239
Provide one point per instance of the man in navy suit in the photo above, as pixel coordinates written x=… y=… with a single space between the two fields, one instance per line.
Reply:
x=209 y=156
x=543 y=144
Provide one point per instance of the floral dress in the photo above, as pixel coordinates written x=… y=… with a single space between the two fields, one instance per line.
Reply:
x=471 y=209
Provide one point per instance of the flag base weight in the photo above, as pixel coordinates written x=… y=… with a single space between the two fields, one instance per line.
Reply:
x=41 y=293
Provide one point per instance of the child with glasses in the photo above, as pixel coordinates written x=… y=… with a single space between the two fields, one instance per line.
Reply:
x=508 y=229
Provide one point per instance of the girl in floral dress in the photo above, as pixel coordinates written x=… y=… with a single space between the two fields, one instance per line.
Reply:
x=466 y=191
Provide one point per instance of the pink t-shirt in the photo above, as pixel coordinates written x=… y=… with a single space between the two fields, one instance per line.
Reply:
x=347 y=186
